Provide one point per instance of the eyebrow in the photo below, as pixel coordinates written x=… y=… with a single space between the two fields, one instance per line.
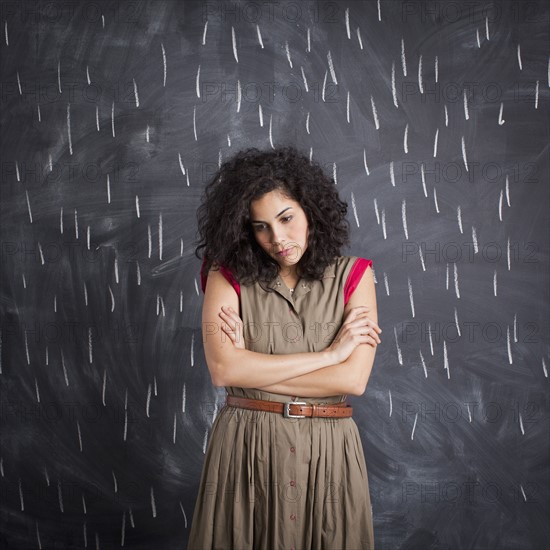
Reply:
x=281 y=212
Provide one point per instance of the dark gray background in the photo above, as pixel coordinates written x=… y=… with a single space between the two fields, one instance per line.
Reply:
x=107 y=402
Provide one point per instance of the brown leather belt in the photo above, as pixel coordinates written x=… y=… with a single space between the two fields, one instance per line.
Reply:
x=292 y=409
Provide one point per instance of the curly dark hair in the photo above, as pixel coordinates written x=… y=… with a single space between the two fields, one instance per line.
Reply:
x=223 y=217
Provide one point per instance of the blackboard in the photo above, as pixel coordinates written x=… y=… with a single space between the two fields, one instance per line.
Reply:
x=432 y=118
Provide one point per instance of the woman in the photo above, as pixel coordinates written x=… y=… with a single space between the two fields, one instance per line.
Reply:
x=286 y=319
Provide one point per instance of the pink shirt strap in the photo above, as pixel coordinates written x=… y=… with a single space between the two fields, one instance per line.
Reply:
x=226 y=273
x=359 y=267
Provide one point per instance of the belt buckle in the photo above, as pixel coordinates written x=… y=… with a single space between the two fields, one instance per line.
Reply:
x=286 y=412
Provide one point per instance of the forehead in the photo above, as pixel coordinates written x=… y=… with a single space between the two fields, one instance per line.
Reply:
x=272 y=201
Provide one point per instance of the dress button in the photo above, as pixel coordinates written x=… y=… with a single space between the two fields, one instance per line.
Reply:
x=292 y=449
x=292 y=483
x=292 y=516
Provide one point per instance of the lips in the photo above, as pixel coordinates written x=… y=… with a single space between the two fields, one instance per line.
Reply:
x=285 y=252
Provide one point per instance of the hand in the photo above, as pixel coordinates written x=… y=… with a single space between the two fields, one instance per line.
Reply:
x=233 y=326
x=357 y=329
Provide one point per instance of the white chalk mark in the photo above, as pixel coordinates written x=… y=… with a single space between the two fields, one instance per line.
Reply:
x=411 y=297
x=261 y=115
x=464 y=154
x=271 y=130
x=347 y=108
x=334 y=174
x=346 y=14
x=38 y=112
x=197 y=82
x=234 y=40
x=549 y=71
x=500 y=205
x=478 y=40
x=508 y=253
x=466 y=114
x=29 y=207
x=138 y=273
x=404 y=218
x=192 y=350
x=136 y=92
x=435 y=201
x=423 y=364
x=108 y=190
x=113 y=119
x=104 y=388
x=393 y=88
x=308 y=40
x=182 y=168
x=474 y=240
x=403 y=60
x=455 y=273
x=374 y=113
x=88 y=75
x=405 y=139
x=58 y=76
x=17 y=174
x=69 y=128
x=389 y=391
x=379 y=11
x=457 y=324
x=459 y=218
x=97 y=117
x=304 y=79
x=307 y=123
x=399 y=356
x=359 y=38
x=386 y=284
x=149 y=241
x=260 y=40
x=365 y=162
x=147 y=133
x=239 y=96
x=195 y=122
x=422 y=262
x=331 y=68
x=507 y=187
x=544 y=369
x=519 y=58
x=288 y=54
x=487 y=27
x=75 y=224
x=537 y=95
x=446 y=360
x=377 y=214
x=414 y=426
x=153 y=505
x=203 y=34
x=523 y=493
x=112 y=299
x=501 y=121
x=436 y=68
x=6 y=32
x=508 y=345
x=19 y=84
x=324 y=86
x=435 y=142
x=495 y=286
x=90 y=346
x=423 y=175
x=384 y=223
x=392 y=174
x=420 y=75
x=354 y=208
x=164 y=57
x=446 y=115
x=160 y=236
x=431 y=340
x=61 y=221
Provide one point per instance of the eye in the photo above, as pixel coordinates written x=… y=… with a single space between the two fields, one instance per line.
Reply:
x=288 y=218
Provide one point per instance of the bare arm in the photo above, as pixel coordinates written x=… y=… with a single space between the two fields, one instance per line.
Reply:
x=231 y=366
x=349 y=377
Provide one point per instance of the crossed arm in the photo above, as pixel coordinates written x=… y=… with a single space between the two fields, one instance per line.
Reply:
x=348 y=377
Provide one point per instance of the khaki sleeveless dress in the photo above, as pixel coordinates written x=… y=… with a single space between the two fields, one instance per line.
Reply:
x=270 y=482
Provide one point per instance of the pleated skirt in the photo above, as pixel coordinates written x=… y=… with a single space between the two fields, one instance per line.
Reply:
x=270 y=482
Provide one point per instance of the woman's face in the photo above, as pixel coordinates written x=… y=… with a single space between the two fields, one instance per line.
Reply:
x=279 y=223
